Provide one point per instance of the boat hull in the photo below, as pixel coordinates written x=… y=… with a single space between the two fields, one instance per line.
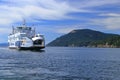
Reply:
x=27 y=48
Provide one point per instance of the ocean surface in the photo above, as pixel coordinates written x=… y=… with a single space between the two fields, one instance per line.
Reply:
x=60 y=63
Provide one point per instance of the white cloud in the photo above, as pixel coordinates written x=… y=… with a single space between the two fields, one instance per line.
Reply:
x=93 y=3
x=110 y=14
x=112 y=21
x=5 y=30
x=15 y=10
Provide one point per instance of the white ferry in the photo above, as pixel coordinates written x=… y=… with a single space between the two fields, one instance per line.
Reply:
x=24 y=37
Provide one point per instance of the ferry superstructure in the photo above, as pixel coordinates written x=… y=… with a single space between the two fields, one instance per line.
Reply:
x=25 y=37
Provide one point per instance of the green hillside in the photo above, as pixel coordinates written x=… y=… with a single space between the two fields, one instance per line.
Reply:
x=87 y=38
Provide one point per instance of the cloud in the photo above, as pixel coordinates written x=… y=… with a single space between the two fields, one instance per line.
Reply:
x=14 y=11
x=93 y=3
x=111 y=21
x=4 y=30
x=110 y=14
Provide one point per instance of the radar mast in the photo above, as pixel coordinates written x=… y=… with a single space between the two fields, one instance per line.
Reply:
x=24 y=23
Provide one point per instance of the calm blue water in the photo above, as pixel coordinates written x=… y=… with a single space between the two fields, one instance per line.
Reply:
x=55 y=63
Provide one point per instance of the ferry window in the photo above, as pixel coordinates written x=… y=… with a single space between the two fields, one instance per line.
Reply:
x=36 y=35
x=30 y=28
x=23 y=35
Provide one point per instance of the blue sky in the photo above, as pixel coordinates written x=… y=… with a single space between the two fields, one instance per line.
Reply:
x=54 y=18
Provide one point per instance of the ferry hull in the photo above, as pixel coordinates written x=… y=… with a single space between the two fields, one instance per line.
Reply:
x=31 y=48
x=27 y=48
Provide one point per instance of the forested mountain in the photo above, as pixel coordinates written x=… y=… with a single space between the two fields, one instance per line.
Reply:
x=87 y=38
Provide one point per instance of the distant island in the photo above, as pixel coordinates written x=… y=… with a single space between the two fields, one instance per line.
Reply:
x=87 y=38
x=3 y=44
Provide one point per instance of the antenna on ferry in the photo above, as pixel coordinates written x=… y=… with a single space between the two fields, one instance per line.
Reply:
x=34 y=30
x=13 y=29
x=24 y=22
